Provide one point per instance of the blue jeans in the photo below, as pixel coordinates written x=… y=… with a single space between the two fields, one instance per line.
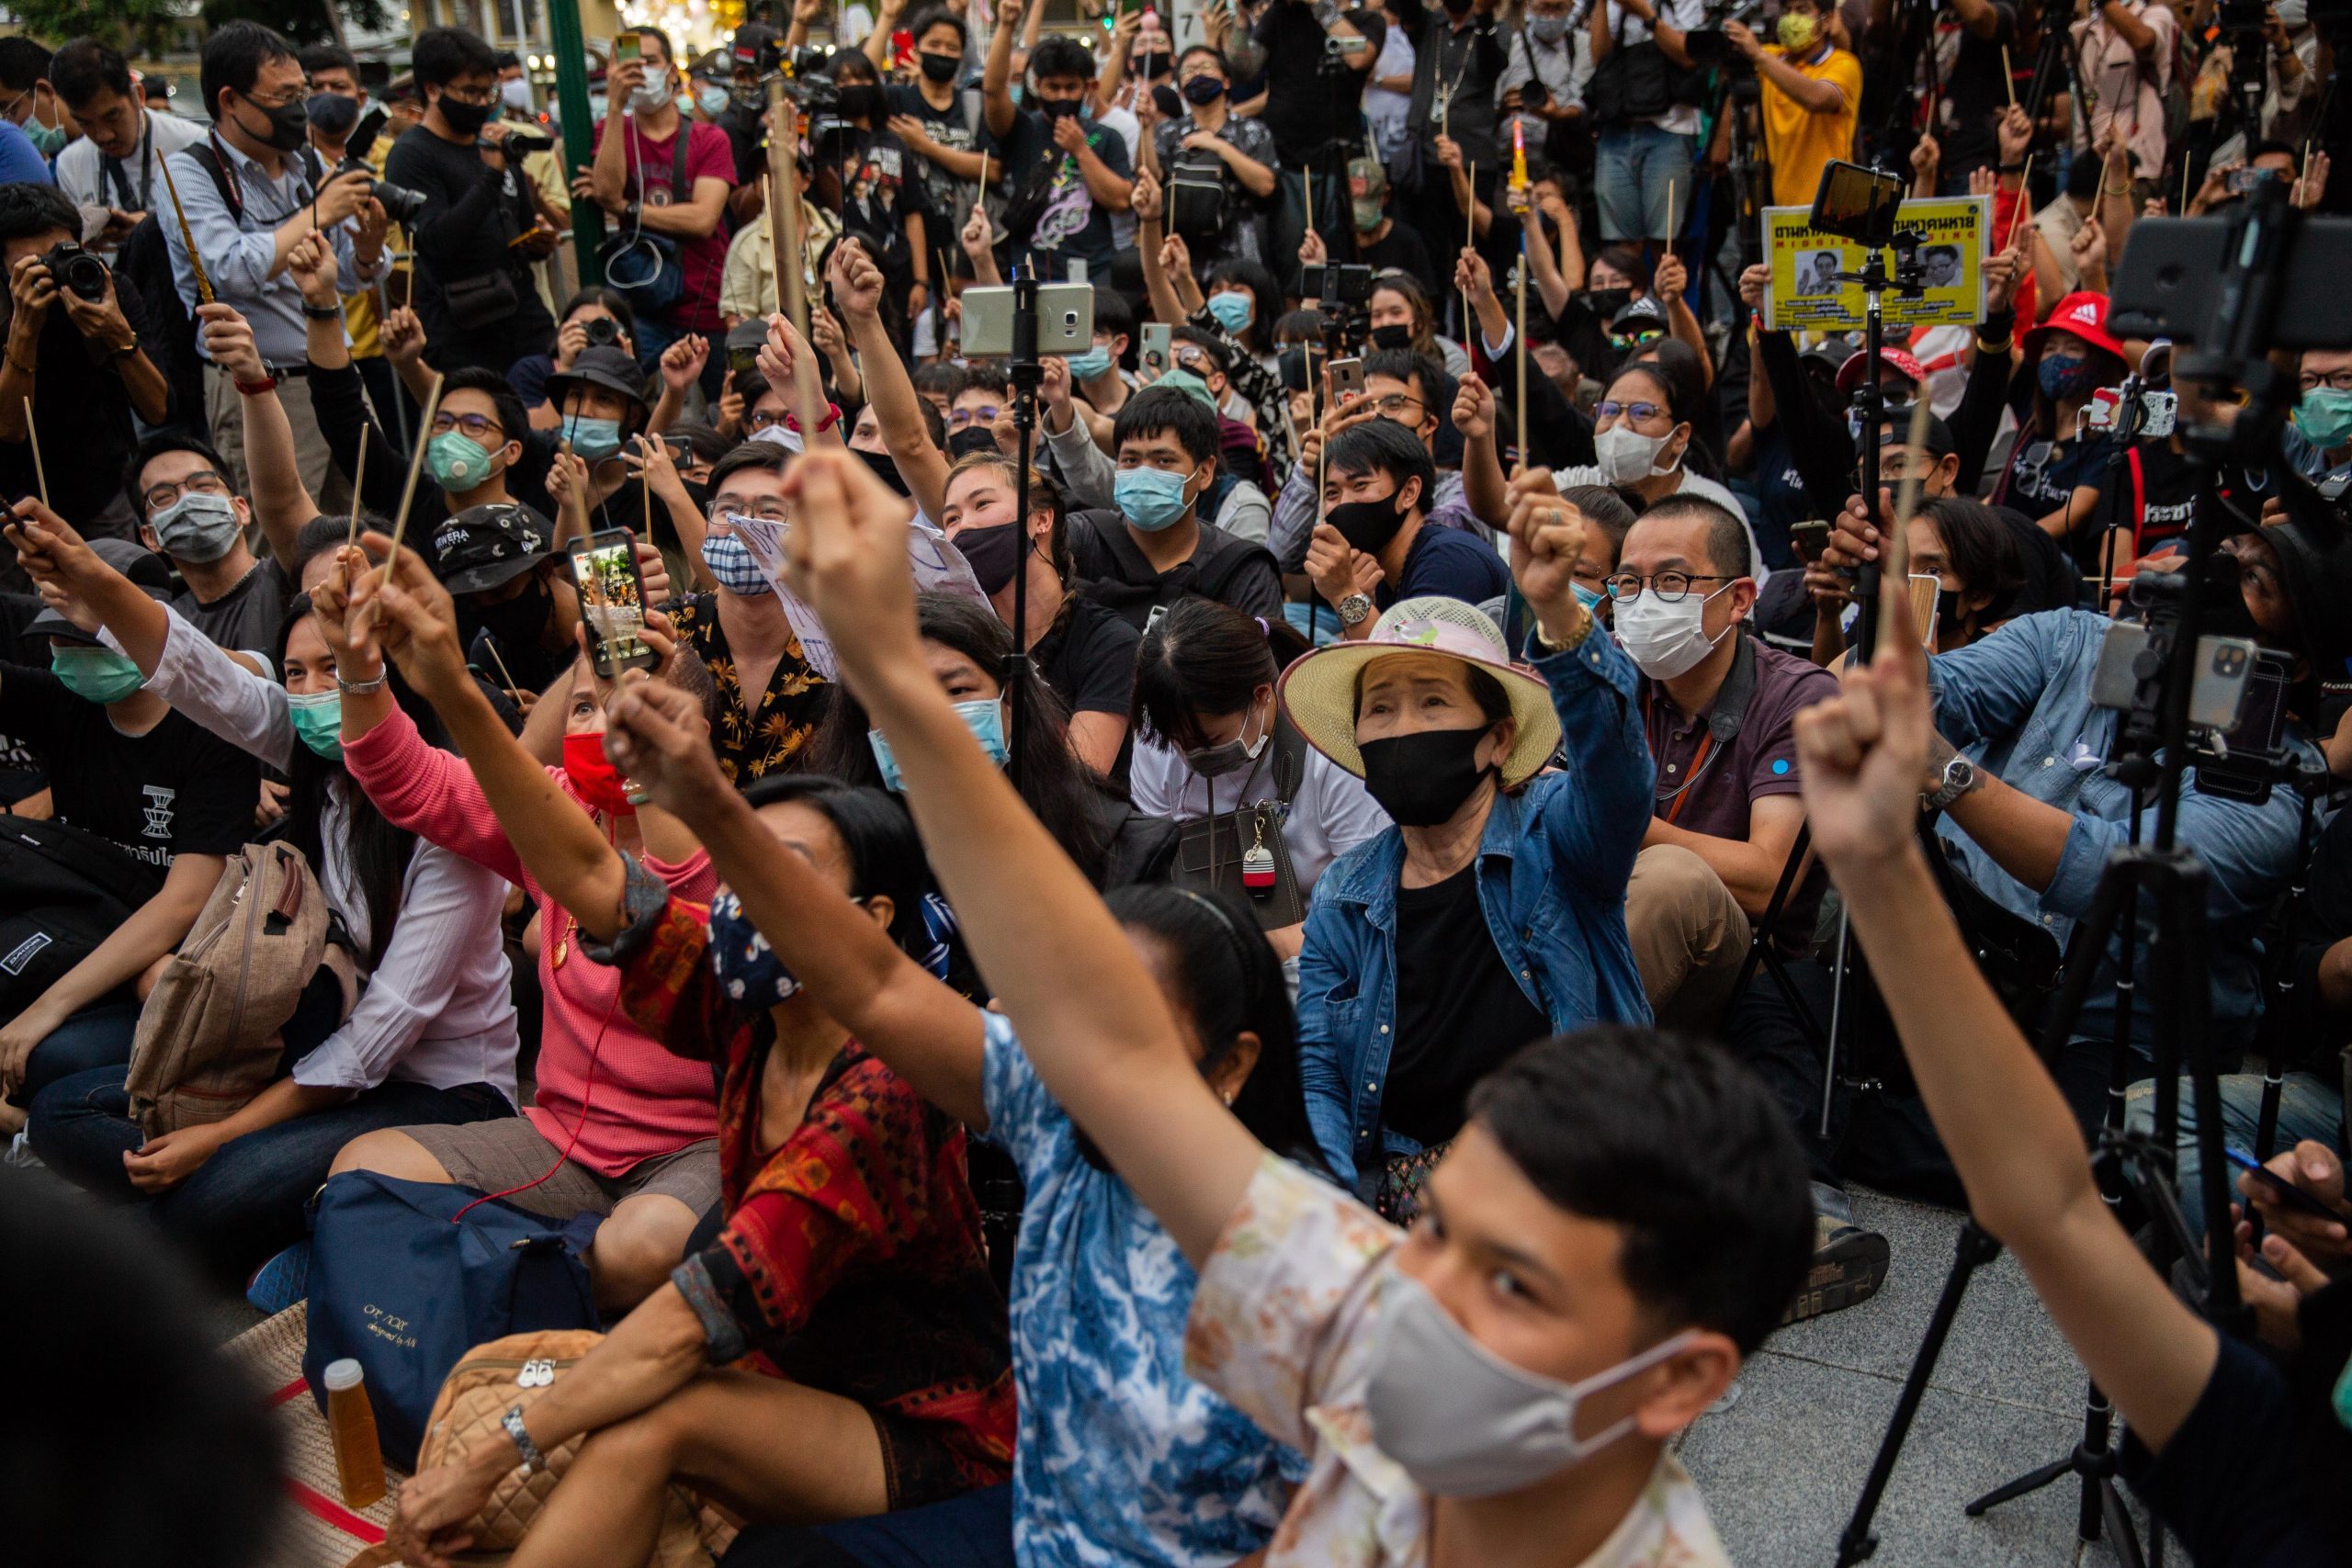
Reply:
x=974 y=1530
x=1635 y=170
x=246 y=1202
x=2309 y=1106
x=97 y=1036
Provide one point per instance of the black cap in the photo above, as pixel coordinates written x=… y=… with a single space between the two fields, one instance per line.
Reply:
x=483 y=546
x=1897 y=428
x=1639 y=311
x=601 y=364
x=147 y=571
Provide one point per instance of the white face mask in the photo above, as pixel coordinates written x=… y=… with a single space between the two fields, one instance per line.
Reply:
x=656 y=92
x=1664 y=640
x=1462 y=1421
x=515 y=94
x=1626 y=455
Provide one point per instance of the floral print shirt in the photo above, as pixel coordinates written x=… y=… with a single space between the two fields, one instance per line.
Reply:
x=1282 y=1326
x=752 y=740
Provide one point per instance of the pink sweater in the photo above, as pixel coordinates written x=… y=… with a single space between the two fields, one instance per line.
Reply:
x=646 y=1101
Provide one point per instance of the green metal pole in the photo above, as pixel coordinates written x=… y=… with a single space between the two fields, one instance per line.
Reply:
x=578 y=150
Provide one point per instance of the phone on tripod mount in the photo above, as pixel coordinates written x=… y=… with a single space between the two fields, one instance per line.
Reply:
x=2157 y=413
x=1858 y=204
x=1065 y=319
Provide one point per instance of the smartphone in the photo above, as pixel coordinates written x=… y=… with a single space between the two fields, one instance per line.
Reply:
x=628 y=47
x=1157 y=339
x=902 y=47
x=1858 y=204
x=1347 y=379
x=1065 y=319
x=2280 y=1187
x=612 y=601
x=1812 y=536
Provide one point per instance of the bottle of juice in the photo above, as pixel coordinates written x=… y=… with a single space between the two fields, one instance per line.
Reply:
x=358 y=1462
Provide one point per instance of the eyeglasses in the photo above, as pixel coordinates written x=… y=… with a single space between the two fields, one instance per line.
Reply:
x=961 y=417
x=1639 y=413
x=203 y=482
x=1669 y=586
x=293 y=96
x=475 y=425
x=2336 y=380
x=1197 y=361
x=1396 y=403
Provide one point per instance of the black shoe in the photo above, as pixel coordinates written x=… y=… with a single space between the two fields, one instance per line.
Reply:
x=1848 y=1266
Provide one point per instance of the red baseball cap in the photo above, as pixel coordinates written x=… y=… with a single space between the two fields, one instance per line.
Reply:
x=1905 y=364
x=2082 y=313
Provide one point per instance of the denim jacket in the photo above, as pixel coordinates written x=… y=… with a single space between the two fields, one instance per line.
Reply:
x=1552 y=868
x=2019 y=705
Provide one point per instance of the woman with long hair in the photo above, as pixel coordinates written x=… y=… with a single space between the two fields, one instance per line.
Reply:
x=1402 y=316
x=965 y=646
x=1100 y=1293
x=430 y=1036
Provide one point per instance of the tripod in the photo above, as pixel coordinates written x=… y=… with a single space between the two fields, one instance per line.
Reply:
x=1027 y=374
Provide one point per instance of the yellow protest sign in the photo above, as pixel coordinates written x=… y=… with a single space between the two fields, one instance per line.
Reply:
x=1806 y=294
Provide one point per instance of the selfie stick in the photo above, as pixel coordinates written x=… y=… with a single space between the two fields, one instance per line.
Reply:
x=408 y=490
x=203 y=284
x=32 y=439
x=1027 y=374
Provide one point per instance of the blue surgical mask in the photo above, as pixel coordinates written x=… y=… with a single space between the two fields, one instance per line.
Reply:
x=730 y=562
x=1232 y=310
x=199 y=527
x=47 y=141
x=318 y=720
x=1589 y=597
x=746 y=968
x=594 y=439
x=2324 y=416
x=983 y=717
x=1096 y=361
x=1153 y=499
x=712 y=101
x=2064 y=375
x=96 y=674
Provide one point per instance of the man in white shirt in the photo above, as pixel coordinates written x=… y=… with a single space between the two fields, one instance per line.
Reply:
x=116 y=165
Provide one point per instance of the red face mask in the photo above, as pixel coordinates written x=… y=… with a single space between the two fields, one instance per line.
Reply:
x=600 y=784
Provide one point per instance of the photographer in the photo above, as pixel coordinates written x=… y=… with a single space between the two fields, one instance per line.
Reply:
x=115 y=164
x=249 y=201
x=74 y=348
x=476 y=232
x=1813 y=96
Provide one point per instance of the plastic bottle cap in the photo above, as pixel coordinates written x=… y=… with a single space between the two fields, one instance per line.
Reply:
x=343 y=1374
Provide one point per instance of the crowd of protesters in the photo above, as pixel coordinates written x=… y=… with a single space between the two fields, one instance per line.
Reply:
x=1213 y=948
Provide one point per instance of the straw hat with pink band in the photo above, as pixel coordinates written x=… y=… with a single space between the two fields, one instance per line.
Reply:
x=1319 y=692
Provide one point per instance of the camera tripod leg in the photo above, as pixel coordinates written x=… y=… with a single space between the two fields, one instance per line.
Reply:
x=1972 y=1251
x=2031 y=1480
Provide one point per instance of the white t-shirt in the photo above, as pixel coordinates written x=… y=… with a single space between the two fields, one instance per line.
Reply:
x=82 y=177
x=1329 y=814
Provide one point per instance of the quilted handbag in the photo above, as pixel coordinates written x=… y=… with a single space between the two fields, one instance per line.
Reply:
x=488 y=1380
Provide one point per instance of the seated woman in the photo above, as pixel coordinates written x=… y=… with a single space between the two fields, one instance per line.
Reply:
x=850 y=1278
x=1494 y=911
x=1114 y=842
x=618 y=1127
x=1098 y=1289
x=431 y=1038
x=1210 y=742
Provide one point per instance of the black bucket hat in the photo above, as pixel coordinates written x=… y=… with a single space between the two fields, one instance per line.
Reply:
x=601 y=364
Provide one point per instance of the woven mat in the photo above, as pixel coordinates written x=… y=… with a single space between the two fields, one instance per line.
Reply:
x=318 y=1531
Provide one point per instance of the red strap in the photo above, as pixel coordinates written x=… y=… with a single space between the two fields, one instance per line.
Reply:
x=300 y=1385
x=325 y=1508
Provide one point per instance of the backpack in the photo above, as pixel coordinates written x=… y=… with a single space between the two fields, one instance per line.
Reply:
x=1110 y=568
x=68 y=890
x=642 y=266
x=401 y=1284
x=207 y=1036
x=1633 y=82
x=1199 y=207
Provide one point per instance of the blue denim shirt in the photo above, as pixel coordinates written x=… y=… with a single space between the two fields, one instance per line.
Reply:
x=1552 y=868
x=2019 y=703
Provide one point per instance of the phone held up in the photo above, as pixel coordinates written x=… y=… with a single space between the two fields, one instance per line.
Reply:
x=612 y=601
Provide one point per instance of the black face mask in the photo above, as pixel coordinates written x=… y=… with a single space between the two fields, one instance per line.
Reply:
x=289 y=126
x=1368 y=524
x=1152 y=65
x=1421 y=780
x=1457 y=7
x=965 y=442
x=994 y=551
x=885 y=469
x=1394 y=335
x=861 y=101
x=515 y=623
x=1056 y=108
x=1606 y=302
x=697 y=492
x=466 y=119
x=1202 y=90
x=331 y=113
x=940 y=67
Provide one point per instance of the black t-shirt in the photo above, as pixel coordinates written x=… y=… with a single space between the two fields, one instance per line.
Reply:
x=82 y=414
x=22 y=772
x=1089 y=658
x=1051 y=215
x=878 y=190
x=959 y=125
x=471 y=213
x=1118 y=575
x=1307 y=109
x=1402 y=248
x=1974 y=92
x=2164 y=484
x=1449 y=563
x=178 y=789
x=1459 y=1010
x=249 y=615
x=1780 y=487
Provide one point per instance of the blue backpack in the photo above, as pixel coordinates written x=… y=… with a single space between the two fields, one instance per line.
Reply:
x=402 y=1285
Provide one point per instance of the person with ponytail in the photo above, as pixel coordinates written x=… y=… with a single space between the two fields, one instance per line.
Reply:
x=431 y=1037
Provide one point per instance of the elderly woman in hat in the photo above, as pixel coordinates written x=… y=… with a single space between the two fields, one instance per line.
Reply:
x=1494 y=911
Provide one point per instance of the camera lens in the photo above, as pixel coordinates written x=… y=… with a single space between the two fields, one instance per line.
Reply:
x=401 y=205
x=76 y=270
x=604 y=331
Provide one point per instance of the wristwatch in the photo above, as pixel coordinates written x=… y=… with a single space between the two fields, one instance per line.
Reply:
x=1961 y=777
x=533 y=1461
x=1355 y=609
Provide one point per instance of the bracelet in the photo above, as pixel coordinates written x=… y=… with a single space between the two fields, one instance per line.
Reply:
x=2001 y=347
x=2115 y=190
x=322 y=312
x=20 y=367
x=359 y=688
x=533 y=1461
x=127 y=350
x=254 y=388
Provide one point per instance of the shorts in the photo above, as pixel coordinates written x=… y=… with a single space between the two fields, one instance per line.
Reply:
x=919 y=1465
x=492 y=1156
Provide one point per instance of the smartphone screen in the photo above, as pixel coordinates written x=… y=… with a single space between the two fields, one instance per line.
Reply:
x=612 y=601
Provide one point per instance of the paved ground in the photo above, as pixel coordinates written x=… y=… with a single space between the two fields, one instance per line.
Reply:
x=1782 y=1467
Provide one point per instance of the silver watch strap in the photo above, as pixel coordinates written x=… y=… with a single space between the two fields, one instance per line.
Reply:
x=533 y=1461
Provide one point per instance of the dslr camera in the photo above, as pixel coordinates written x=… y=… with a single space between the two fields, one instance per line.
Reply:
x=401 y=205
x=76 y=270
x=603 y=332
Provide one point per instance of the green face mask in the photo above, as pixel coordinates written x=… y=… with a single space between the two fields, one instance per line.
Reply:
x=47 y=141
x=317 y=719
x=458 y=462
x=96 y=674
x=1191 y=385
x=2324 y=416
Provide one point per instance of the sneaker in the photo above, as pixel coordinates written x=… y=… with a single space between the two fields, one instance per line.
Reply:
x=1848 y=1266
x=283 y=1281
